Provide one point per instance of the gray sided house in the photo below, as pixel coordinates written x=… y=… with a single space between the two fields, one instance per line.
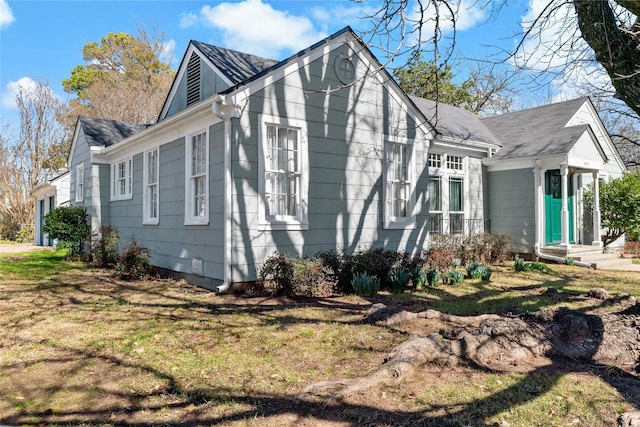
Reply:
x=48 y=196
x=252 y=156
x=323 y=150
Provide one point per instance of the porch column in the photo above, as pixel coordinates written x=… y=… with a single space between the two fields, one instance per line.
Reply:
x=564 y=217
x=597 y=237
x=538 y=206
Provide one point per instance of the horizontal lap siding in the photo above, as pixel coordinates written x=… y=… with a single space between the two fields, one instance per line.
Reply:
x=512 y=205
x=172 y=243
x=345 y=135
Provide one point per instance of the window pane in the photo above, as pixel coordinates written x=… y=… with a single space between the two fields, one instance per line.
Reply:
x=435 y=194
x=282 y=165
x=199 y=196
x=398 y=185
x=456 y=195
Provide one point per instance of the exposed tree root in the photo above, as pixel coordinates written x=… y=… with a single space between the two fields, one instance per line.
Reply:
x=496 y=342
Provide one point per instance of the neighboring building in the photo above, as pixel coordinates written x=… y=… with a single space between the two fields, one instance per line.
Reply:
x=321 y=151
x=48 y=196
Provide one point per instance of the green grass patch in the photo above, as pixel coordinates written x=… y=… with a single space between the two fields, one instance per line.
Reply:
x=36 y=264
x=80 y=347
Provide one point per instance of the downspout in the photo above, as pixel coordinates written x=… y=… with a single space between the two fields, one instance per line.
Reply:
x=225 y=111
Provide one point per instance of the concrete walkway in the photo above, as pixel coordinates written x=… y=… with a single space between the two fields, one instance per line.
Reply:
x=11 y=248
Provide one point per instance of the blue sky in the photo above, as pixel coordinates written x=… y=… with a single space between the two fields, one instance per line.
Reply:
x=43 y=40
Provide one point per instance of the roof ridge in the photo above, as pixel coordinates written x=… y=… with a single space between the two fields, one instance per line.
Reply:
x=538 y=107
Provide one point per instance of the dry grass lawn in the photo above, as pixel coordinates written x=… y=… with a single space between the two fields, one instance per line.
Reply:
x=79 y=347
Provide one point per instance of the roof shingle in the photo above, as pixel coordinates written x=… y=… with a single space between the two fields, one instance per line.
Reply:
x=103 y=132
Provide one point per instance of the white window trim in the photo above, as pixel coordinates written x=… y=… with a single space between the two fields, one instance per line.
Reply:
x=128 y=179
x=146 y=219
x=282 y=222
x=189 y=217
x=409 y=221
x=80 y=182
x=444 y=173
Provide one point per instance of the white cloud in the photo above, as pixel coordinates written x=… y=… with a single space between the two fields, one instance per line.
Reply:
x=6 y=15
x=25 y=84
x=466 y=14
x=255 y=27
x=167 y=51
x=188 y=20
x=342 y=15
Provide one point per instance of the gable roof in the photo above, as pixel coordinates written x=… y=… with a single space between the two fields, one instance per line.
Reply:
x=455 y=122
x=104 y=132
x=537 y=131
x=236 y=66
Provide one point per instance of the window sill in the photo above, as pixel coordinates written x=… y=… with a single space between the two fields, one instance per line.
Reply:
x=117 y=199
x=151 y=222
x=282 y=225
x=197 y=222
x=400 y=224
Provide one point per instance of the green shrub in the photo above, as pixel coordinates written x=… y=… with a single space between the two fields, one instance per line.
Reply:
x=70 y=225
x=476 y=270
x=433 y=276
x=134 y=263
x=363 y=284
x=104 y=246
x=25 y=234
x=398 y=279
x=418 y=277
x=521 y=266
x=568 y=261
x=453 y=277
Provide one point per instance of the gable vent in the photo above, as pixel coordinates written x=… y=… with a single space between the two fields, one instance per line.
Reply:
x=193 y=79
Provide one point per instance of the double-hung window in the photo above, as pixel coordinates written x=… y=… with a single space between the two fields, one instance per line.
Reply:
x=398 y=185
x=80 y=182
x=197 y=179
x=456 y=205
x=121 y=182
x=447 y=193
x=150 y=195
x=283 y=178
x=435 y=205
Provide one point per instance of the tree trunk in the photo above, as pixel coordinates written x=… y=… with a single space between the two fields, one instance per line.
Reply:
x=617 y=48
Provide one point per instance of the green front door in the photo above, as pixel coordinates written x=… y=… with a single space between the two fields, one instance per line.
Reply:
x=553 y=207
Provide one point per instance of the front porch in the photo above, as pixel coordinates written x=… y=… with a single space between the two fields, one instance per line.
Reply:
x=592 y=255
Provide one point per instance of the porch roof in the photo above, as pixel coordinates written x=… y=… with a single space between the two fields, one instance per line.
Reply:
x=539 y=131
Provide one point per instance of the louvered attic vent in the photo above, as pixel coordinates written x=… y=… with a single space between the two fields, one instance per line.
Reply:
x=193 y=79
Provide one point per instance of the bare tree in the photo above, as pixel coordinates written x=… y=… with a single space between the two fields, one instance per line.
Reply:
x=25 y=160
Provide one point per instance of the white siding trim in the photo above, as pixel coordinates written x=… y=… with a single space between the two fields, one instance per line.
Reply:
x=301 y=220
x=79 y=182
x=190 y=216
x=146 y=218
x=115 y=192
x=408 y=221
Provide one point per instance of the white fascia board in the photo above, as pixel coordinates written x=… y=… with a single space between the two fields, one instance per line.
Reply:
x=597 y=122
x=165 y=131
x=581 y=163
x=464 y=144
